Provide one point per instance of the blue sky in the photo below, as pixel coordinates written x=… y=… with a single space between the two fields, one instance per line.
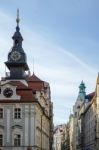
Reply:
x=63 y=38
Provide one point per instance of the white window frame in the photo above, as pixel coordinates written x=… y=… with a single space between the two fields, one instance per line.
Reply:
x=17 y=143
x=17 y=113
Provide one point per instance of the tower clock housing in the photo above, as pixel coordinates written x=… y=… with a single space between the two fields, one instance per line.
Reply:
x=17 y=63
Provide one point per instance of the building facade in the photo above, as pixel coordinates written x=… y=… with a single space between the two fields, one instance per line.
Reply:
x=60 y=134
x=84 y=123
x=26 y=110
x=89 y=120
x=73 y=120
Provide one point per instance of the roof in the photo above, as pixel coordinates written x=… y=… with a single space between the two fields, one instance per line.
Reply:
x=19 y=84
x=26 y=89
x=26 y=95
x=34 y=78
x=22 y=90
x=90 y=96
x=35 y=83
x=59 y=128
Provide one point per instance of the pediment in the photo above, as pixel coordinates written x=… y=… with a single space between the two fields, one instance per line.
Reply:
x=8 y=91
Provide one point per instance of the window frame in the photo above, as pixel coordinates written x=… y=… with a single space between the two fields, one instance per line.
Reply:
x=1 y=139
x=1 y=113
x=17 y=140
x=17 y=113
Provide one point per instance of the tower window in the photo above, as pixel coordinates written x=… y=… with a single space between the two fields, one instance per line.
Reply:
x=1 y=140
x=1 y=113
x=17 y=140
x=17 y=113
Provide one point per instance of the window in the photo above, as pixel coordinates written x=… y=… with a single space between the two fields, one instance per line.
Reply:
x=17 y=140
x=17 y=113
x=1 y=113
x=1 y=140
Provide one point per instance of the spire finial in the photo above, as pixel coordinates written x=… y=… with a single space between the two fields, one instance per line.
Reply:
x=18 y=18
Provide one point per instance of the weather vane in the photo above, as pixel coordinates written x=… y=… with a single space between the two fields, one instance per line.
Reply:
x=17 y=19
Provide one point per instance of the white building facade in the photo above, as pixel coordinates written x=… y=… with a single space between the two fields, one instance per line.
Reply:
x=26 y=110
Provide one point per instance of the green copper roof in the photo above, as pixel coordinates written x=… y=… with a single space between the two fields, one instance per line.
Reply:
x=82 y=93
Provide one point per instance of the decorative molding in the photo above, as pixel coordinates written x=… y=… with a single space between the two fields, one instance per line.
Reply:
x=17 y=126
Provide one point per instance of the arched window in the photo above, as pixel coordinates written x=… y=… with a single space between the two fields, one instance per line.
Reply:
x=17 y=140
x=17 y=135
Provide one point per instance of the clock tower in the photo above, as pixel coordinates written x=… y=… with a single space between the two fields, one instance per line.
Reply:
x=17 y=63
x=26 y=110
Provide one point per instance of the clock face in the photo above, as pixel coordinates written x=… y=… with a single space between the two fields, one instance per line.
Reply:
x=8 y=92
x=15 y=55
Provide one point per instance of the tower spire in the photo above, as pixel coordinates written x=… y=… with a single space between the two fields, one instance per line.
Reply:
x=17 y=63
x=18 y=18
x=82 y=87
x=82 y=92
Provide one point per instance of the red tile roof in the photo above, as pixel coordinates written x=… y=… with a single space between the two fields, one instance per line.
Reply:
x=26 y=95
x=34 y=78
x=36 y=86
x=19 y=84
x=26 y=91
x=35 y=83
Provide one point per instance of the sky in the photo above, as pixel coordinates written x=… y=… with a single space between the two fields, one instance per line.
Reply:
x=62 y=36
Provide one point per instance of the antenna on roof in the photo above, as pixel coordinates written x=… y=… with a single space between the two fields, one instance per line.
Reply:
x=18 y=18
x=5 y=70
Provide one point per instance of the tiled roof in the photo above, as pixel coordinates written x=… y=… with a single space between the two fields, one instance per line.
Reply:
x=25 y=89
x=19 y=84
x=36 y=86
x=26 y=95
x=34 y=78
x=35 y=83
